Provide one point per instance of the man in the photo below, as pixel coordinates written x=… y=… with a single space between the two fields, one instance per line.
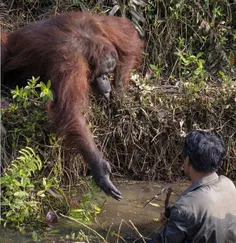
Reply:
x=206 y=211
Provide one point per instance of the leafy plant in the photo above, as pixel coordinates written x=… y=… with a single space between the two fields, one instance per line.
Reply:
x=88 y=206
x=23 y=188
x=26 y=113
x=156 y=70
x=21 y=193
x=30 y=93
x=192 y=66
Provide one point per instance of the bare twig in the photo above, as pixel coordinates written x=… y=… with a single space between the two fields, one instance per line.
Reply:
x=165 y=189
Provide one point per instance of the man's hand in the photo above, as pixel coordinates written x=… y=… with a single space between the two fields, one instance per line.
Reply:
x=163 y=219
x=165 y=215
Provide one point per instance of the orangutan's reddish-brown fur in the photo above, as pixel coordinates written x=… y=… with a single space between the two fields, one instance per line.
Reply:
x=70 y=49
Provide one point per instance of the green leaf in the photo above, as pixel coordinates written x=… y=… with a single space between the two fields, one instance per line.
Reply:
x=21 y=194
x=49 y=84
x=44 y=182
x=41 y=193
x=153 y=67
x=42 y=94
x=50 y=95
x=79 y=210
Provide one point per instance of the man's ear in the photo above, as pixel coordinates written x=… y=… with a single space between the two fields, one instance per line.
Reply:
x=187 y=159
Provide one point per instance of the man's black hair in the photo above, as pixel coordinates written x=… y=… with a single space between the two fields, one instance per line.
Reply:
x=206 y=151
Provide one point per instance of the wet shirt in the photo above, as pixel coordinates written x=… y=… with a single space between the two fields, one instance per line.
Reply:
x=204 y=213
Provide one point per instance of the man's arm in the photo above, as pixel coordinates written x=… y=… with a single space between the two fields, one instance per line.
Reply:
x=175 y=229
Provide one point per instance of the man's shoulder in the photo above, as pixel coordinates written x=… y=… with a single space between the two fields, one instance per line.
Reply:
x=202 y=197
x=186 y=201
x=225 y=180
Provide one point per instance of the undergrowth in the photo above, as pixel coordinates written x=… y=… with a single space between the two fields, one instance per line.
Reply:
x=143 y=135
x=23 y=194
x=32 y=170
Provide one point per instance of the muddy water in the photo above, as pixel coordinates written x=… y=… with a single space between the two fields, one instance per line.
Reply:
x=127 y=218
x=131 y=208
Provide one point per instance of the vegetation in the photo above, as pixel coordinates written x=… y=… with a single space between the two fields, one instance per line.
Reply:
x=32 y=169
x=182 y=37
x=23 y=196
x=187 y=81
x=146 y=131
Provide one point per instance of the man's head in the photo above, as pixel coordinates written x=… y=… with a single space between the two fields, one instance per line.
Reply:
x=203 y=152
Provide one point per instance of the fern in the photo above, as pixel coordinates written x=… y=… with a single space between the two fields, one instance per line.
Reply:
x=20 y=201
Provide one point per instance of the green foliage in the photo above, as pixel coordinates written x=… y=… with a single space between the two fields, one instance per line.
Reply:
x=26 y=114
x=23 y=188
x=22 y=194
x=192 y=67
x=88 y=206
x=29 y=93
x=156 y=69
x=46 y=93
x=199 y=34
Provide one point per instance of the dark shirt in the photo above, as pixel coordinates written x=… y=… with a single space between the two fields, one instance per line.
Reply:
x=204 y=213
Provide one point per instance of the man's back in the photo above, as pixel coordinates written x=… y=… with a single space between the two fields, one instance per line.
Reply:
x=208 y=211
